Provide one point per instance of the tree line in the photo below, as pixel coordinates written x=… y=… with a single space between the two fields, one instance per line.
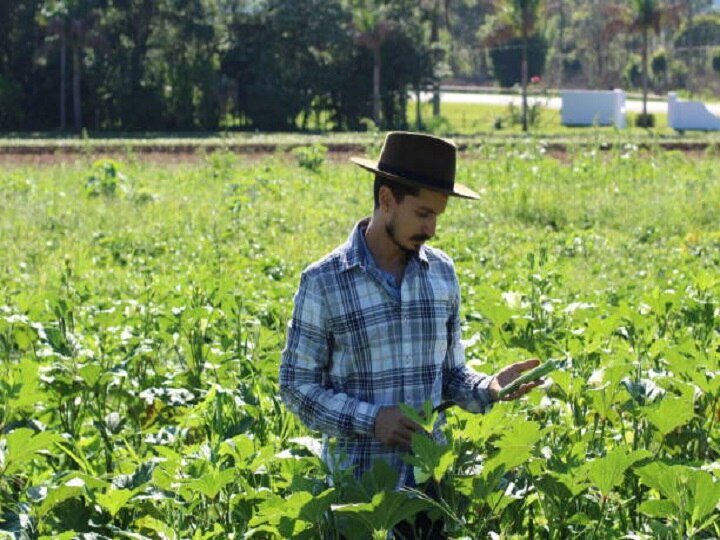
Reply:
x=180 y=65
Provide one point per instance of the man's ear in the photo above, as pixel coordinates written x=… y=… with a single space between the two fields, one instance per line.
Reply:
x=386 y=198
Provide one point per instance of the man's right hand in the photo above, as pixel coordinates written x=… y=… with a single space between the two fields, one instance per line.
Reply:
x=393 y=428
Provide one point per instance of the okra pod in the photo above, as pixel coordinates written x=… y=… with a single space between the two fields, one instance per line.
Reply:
x=529 y=376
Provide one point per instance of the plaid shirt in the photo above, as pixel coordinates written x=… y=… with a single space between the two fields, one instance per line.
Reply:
x=352 y=349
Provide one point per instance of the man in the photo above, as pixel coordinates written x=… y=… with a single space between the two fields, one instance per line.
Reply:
x=376 y=322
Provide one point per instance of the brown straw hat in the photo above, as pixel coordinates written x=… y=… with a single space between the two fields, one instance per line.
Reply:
x=418 y=160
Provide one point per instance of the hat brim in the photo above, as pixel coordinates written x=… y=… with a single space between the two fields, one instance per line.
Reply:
x=459 y=190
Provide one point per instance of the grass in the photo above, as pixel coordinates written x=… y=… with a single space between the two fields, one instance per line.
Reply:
x=477 y=119
x=475 y=122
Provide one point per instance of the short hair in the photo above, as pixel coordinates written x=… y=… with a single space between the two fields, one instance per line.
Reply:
x=398 y=189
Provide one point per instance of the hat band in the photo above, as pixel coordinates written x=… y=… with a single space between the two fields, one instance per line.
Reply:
x=429 y=181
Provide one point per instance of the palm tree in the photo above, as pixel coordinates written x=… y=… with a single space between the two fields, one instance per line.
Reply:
x=372 y=28
x=432 y=7
x=644 y=16
x=517 y=18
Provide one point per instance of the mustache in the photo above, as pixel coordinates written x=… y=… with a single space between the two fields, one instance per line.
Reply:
x=420 y=237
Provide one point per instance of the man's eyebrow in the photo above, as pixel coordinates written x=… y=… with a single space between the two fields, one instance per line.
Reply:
x=428 y=209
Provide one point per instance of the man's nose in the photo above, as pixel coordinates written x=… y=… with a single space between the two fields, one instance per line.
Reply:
x=429 y=226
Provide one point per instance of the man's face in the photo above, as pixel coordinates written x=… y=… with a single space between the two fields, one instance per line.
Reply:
x=412 y=222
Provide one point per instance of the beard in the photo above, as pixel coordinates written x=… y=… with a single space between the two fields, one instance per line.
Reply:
x=409 y=251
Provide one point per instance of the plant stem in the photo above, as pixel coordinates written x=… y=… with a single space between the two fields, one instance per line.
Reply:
x=600 y=518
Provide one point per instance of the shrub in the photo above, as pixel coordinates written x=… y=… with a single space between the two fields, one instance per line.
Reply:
x=104 y=179
x=310 y=157
x=716 y=61
x=439 y=125
x=659 y=63
x=534 y=112
x=632 y=74
x=222 y=164
x=571 y=66
x=645 y=120
x=677 y=74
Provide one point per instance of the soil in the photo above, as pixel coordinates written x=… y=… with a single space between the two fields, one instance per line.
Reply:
x=188 y=153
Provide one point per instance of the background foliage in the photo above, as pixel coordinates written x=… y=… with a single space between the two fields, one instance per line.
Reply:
x=137 y=65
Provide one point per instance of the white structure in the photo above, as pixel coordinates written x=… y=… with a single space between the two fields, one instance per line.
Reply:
x=690 y=115
x=593 y=108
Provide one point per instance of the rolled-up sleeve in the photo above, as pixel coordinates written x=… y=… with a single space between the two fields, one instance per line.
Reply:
x=461 y=384
x=306 y=359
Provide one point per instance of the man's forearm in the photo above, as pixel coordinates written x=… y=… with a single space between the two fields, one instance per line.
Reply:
x=324 y=410
x=468 y=389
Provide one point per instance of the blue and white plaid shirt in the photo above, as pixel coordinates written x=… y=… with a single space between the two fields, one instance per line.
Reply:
x=353 y=348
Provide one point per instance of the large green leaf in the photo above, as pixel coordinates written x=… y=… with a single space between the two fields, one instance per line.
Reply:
x=212 y=482
x=426 y=419
x=516 y=446
x=658 y=508
x=607 y=396
x=240 y=447
x=91 y=373
x=693 y=493
x=607 y=472
x=381 y=477
x=484 y=486
x=27 y=381
x=386 y=510
x=705 y=494
x=23 y=444
x=430 y=459
x=73 y=487
x=671 y=413
x=479 y=428
x=561 y=486
x=114 y=499
x=162 y=530
x=290 y=516
x=313 y=510
x=661 y=477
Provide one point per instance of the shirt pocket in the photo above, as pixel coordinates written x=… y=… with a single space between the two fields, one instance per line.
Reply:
x=439 y=331
x=352 y=351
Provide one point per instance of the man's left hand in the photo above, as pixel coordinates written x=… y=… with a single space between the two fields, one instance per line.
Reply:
x=508 y=374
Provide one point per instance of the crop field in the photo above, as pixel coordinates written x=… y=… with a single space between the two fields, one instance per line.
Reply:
x=143 y=310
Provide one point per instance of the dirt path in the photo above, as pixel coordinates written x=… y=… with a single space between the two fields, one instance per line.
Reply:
x=182 y=153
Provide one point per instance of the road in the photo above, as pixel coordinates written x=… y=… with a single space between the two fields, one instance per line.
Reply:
x=631 y=105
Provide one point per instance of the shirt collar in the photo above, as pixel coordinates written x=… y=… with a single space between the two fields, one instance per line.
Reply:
x=356 y=248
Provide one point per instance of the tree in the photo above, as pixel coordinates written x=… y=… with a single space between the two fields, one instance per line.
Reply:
x=464 y=18
x=439 y=16
x=18 y=71
x=129 y=90
x=72 y=21
x=295 y=59
x=516 y=18
x=691 y=8
x=643 y=17
x=184 y=62
x=372 y=28
x=54 y=16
